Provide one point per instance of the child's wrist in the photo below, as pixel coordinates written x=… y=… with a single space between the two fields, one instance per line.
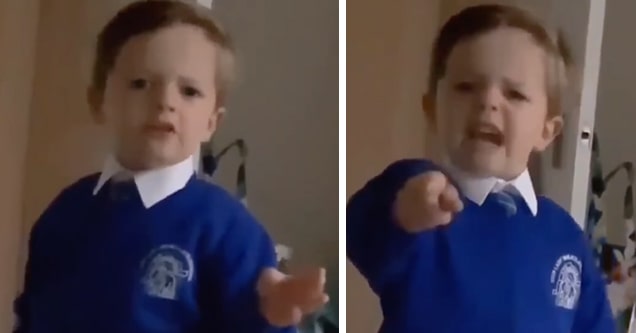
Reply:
x=269 y=279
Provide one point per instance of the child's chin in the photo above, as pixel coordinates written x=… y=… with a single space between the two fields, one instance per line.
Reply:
x=484 y=165
x=162 y=156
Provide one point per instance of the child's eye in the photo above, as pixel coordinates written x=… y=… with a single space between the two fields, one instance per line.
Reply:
x=464 y=87
x=517 y=95
x=138 y=84
x=190 y=92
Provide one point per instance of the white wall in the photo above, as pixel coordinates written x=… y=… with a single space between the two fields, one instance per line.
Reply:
x=388 y=46
x=286 y=108
x=616 y=113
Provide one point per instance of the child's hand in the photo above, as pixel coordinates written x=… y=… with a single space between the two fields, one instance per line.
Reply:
x=426 y=201
x=285 y=299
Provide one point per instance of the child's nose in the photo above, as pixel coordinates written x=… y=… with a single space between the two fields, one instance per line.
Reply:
x=165 y=97
x=489 y=99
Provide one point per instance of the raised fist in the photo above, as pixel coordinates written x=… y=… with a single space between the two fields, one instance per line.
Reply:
x=426 y=201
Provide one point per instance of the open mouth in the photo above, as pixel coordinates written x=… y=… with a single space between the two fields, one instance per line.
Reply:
x=160 y=128
x=486 y=133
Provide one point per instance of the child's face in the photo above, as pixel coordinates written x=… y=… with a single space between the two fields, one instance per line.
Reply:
x=491 y=105
x=160 y=97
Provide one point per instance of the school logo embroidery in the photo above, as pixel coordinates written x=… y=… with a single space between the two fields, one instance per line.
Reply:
x=566 y=281
x=165 y=269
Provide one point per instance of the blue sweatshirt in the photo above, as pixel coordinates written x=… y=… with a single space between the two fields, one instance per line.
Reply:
x=105 y=263
x=484 y=272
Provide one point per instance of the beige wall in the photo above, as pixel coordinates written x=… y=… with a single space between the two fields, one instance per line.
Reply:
x=18 y=24
x=388 y=45
x=63 y=144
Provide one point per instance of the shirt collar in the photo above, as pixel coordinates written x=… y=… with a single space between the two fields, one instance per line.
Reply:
x=477 y=189
x=153 y=185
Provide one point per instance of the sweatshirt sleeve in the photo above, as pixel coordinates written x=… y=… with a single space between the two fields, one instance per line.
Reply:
x=593 y=313
x=33 y=271
x=376 y=245
x=243 y=250
x=22 y=302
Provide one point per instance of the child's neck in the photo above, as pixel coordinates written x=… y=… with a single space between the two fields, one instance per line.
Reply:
x=455 y=168
x=139 y=166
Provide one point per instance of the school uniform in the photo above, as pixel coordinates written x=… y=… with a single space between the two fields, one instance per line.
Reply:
x=508 y=262
x=156 y=251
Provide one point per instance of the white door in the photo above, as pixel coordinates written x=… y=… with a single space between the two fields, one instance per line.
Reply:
x=562 y=172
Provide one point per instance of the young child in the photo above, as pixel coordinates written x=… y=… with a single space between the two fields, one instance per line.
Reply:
x=465 y=245
x=145 y=246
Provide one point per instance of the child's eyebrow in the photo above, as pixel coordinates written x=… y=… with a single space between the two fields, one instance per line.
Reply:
x=513 y=83
x=189 y=80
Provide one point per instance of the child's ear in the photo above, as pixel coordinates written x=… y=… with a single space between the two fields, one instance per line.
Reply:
x=215 y=117
x=428 y=106
x=551 y=129
x=94 y=98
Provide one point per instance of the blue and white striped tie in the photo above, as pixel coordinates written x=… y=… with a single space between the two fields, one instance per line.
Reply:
x=506 y=200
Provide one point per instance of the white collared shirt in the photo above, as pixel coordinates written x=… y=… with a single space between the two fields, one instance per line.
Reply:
x=477 y=189
x=153 y=185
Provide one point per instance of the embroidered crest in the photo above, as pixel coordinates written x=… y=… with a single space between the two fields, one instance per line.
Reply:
x=165 y=269
x=566 y=281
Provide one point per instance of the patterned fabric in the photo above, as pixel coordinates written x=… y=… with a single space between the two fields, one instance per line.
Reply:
x=506 y=200
x=121 y=190
x=617 y=261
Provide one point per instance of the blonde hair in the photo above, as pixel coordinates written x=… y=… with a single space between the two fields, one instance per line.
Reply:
x=151 y=15
x=476 y=20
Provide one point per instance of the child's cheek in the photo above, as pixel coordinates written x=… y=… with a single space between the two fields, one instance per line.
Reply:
x=455 y=120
